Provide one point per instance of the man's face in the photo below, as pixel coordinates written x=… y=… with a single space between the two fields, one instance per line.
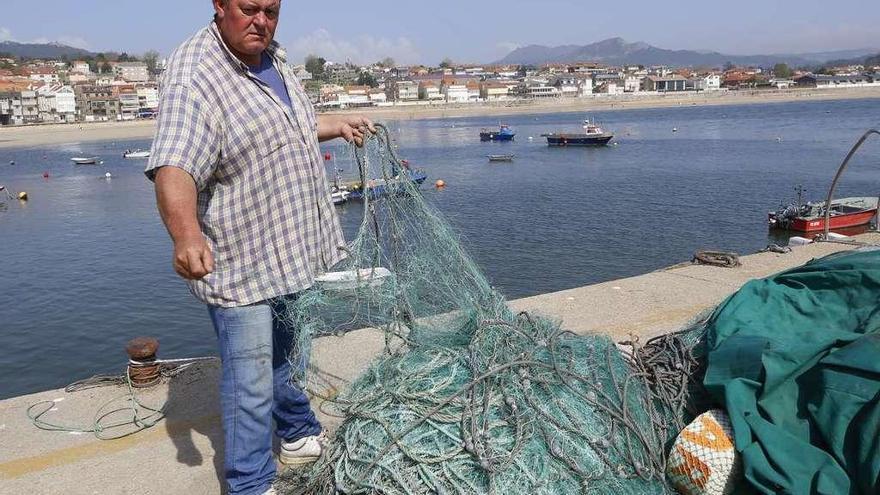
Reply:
x=247 y=26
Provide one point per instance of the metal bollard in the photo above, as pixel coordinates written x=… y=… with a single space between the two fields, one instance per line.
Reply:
x=143 y=369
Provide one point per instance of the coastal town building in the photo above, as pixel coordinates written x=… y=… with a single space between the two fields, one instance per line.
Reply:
x=827 y=82
x=668 y=83
x=80 y=67
x=497 y=90
x=96 y=103
x=30 y=108
x=129 y=103
x=43 y=75
x=473 y=91
x=402 y=90
x=131 y=71
x=10 y=108
x=148 y=100
x=632 y=84
x=57 y=103
x=74 y=79
x=708 y=82
x=454 y=93
x=429 y=90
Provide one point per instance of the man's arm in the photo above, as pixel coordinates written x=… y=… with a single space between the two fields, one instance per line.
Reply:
x=348 y=127
x=176 y=197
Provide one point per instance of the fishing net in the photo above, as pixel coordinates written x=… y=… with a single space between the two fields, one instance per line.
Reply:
x=471 y=397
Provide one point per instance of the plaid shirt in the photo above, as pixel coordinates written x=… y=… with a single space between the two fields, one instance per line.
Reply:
x=263 y=195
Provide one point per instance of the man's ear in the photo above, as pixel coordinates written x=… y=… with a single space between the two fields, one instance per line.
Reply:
x=220 y=7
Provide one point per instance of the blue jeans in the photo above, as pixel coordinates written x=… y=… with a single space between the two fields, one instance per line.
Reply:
x=255 y=387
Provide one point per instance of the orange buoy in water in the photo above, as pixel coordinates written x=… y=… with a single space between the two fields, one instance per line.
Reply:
x=327 y=157
x=23 y=196
x=440 y=184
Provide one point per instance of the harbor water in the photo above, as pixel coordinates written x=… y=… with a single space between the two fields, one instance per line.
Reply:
x=85 y=263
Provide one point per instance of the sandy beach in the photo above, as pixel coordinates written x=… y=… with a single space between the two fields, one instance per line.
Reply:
x=40 y=135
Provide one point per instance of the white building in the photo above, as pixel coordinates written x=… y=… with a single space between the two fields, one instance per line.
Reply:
x=403 y=90
x=75 y=79
x=710 y=82
x=632 y=84
x=10 y=108
x=378 y=96
x=80 y=67
x=429 y=91
x=131 y=71
x=44 y=77
x=567 y=85
x=494 y=91
x=473 y=90
x=129 y=104
x=455 y=93
x=57 y=103
x=30 y=108
x=148 y=97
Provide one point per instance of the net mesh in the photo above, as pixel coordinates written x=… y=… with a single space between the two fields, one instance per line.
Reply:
x=471 y=397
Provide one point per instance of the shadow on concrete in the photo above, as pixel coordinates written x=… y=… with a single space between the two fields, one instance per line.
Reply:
x=193 y=408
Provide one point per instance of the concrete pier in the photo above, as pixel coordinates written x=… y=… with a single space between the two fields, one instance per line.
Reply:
x=183 y=453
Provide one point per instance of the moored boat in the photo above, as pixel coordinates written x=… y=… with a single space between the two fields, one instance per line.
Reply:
x=593 y=135
x=810 y=217
x=500 y=158
x=85 y=160
x=376 y=188
x=136 y=154
x=504 y=133
x=339 y=196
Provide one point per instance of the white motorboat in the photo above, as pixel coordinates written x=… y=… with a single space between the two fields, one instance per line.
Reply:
x=136 y=154
x=353 y=279
x=85 y=160
x=339 y=197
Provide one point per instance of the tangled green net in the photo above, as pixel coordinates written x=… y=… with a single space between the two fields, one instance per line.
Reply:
x=471 y=397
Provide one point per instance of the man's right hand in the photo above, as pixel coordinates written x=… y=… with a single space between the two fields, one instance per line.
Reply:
x=193 y=258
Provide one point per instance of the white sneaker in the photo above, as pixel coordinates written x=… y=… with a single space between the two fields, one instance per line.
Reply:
x=303 y=451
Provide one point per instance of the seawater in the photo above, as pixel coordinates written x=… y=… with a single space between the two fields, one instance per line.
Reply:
x=85 y=265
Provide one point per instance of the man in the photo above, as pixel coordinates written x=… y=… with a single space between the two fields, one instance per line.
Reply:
x=242 y=190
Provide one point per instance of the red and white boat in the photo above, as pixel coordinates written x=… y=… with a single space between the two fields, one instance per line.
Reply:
x=810 y=217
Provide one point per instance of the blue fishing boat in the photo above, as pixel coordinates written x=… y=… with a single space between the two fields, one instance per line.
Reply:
x=504 y=133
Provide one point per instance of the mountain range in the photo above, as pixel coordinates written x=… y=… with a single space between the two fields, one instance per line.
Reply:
x=617 y=51
x=42 y=50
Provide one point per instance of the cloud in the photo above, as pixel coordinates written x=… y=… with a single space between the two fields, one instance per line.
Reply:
x=360 y=49
x=74 y=41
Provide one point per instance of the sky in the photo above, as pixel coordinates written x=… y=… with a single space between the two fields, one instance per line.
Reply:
x=466 y=31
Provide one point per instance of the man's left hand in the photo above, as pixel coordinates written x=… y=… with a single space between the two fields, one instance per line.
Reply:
x=352 y=128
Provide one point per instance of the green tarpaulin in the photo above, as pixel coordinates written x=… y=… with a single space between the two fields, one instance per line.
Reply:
x=795 y=360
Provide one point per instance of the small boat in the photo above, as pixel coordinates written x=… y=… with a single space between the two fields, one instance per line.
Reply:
x=501 y=158
x=84 y=160
x=376 y=188
x=339 y=196
x=354 y=279
x=593 y=135
x=504 y=133
x=136 y=154
x=810 y=217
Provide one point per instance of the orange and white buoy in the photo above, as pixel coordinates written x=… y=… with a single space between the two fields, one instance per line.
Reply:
x=440 y=184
